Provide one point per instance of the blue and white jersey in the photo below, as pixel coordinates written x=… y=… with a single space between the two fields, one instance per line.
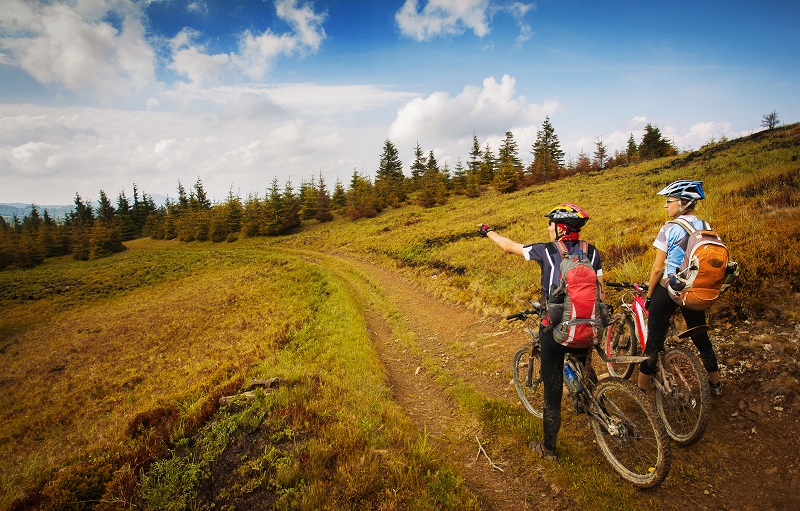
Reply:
x=672 y=239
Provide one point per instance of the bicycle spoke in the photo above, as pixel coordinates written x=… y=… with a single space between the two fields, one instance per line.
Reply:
x=681 y=404
x=633 y=440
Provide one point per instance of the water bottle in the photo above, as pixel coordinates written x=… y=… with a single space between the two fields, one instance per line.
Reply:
x=573 y=383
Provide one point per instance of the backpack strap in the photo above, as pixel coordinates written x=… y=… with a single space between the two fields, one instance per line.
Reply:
x=560 y=248
x=687 y=225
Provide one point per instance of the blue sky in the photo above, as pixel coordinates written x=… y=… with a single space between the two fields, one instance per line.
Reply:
x=99 y=95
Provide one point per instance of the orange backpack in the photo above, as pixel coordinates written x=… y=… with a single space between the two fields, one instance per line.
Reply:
x=699 y=279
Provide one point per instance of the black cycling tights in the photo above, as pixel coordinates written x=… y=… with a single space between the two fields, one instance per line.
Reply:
x=553 y=379
x=660 y=311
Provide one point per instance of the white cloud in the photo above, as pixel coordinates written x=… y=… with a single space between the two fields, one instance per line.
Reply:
x=72 y=46
x=454 y=17
x=256 y=52
x=490 y=110
x=191 y=60
x=242 y=136
x=443 y=17
x=198 y=6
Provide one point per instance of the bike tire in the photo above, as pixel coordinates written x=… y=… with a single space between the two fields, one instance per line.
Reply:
x=639 y=449
x=621 y=341
x=684 y=409
x=527 y=373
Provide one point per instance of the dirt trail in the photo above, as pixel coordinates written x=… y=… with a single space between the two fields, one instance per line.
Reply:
x=440 y=327
x=747 y=460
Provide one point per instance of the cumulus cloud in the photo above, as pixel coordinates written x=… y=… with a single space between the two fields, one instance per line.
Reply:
x=443 y=17
x=75 y=47
x=493 y=108
x=257 y=51
x=454 y=17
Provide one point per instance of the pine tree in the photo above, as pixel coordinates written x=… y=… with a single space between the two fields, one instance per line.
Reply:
x=200 y=196
x=475 y=156
x=308 y=199
x=291 y=211
x=123 y=217
x=323 y=202
x=80 y=222
x=274 y=211
x=584 y=163
x=509 y=172
x=339 y=199
x=459 y=181
x=361 y=201
x=654 y=145
x=417 y=168
x=389 y=180
x=251 y=216
x=632 y=150
x=233 y=213
x=600 y=154
x=488 y=166
x=433 y=190
x=183 y=199
x=548 y=158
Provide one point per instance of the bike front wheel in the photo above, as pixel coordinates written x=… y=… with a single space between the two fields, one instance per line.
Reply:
x=682 y=404
x=621 y=341
x=630 y=433
x=527 y=372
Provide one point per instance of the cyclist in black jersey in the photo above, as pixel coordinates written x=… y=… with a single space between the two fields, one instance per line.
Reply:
x=564 y=224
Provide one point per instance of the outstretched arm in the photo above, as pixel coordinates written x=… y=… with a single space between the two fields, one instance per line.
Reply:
x=508 y=245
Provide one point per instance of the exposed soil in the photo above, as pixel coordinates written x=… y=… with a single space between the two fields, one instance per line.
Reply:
x=748 y=459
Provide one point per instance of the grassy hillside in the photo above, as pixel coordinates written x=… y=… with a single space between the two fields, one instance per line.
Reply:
x=112 y=369
x=753 y=200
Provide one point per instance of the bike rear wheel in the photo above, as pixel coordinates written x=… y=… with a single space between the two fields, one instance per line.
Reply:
x=683 y=408
x=635 y=442
x=621 y=341
x=527 y=372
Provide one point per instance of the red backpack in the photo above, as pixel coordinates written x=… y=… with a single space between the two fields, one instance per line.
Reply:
x=576 y=312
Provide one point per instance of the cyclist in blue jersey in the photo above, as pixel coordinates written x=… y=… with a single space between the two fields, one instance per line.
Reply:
x=681 y=199
x=564 y=224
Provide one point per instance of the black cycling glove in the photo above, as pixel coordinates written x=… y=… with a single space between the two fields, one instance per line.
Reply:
x=484 y=230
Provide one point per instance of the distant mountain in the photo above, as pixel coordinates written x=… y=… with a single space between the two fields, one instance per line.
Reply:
x=58 y=211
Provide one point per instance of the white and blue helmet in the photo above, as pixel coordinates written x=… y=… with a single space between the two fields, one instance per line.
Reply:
x=684 y=189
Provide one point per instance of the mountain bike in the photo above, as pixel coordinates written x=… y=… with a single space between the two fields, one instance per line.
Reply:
x=625 y=423
x=680 y=381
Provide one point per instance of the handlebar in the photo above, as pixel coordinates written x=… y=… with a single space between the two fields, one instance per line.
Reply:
x=536 y=309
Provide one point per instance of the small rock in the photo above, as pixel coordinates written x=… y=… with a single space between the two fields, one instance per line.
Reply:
x=267 y=384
